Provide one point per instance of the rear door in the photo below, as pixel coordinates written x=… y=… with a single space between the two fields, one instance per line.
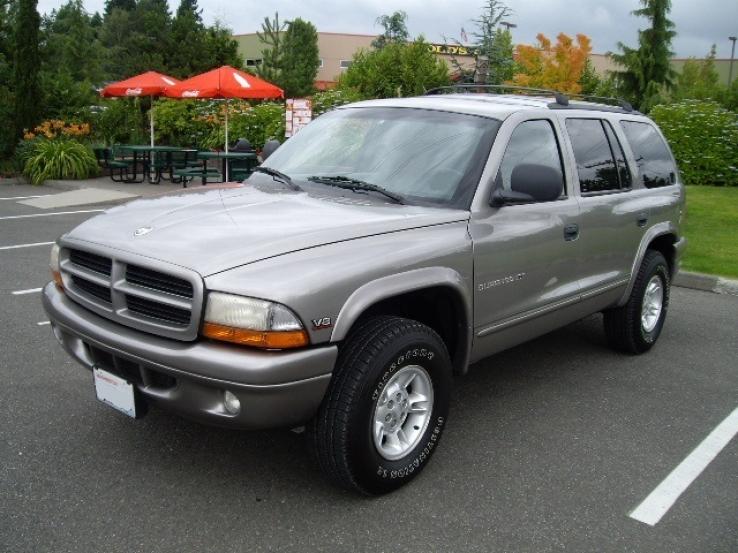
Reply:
x=613 y=217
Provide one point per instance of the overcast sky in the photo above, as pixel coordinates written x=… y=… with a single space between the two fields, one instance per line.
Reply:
x=699 y=23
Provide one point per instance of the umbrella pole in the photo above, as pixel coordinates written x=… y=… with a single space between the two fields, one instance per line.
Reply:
x=152 y=155
x=227 y=165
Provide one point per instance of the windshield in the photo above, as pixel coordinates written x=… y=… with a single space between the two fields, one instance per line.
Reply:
x=420 y=155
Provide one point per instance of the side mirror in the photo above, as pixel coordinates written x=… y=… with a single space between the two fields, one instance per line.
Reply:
x=530 y=183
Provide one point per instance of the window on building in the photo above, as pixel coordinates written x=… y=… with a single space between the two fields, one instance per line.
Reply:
x=253 y=62
x=321 y=63
x=655 y=165
x=594 y=156
x=345 y=64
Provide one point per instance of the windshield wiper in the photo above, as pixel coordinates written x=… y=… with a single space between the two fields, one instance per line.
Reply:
x=277 y=175
x=349 y=183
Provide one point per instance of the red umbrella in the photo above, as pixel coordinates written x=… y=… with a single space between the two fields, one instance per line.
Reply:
x=225 y=82
x=150 y=83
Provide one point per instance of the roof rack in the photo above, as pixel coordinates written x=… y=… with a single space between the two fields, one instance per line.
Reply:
x=562 y=100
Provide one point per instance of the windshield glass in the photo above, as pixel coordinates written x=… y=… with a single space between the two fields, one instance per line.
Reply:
x=421 y=155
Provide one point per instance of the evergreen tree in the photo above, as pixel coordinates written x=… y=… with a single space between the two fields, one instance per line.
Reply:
x=221 y=48
x=271 y=55
x=7 y=100
x=27 y=64
x=648 y=67
x=300 y=59
x=395 y=29
x=125 y=5
x=699 y=80
x=188 y=55
x=495 y=43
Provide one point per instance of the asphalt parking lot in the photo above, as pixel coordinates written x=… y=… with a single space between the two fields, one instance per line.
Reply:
x=549 y=447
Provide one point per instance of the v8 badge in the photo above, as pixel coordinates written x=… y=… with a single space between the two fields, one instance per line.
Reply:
x=320 y=324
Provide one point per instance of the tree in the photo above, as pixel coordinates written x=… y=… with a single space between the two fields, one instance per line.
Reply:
x=397 y=69
x=589 y=80
x=558 y=67
x=187 y=55
x=27 y=65
x=494 y=43
x=271 y=55
x=647 y=68
x=395 y=29
x=125 y=5
x=300 y=59
x=71 y=44
x=699 y=79
x=7 y=99
x=221 y=48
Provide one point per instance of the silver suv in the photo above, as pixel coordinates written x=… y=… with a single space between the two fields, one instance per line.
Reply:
x=375 y=255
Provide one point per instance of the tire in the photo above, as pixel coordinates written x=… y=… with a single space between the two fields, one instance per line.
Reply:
x=627 y=328
x=376 y=359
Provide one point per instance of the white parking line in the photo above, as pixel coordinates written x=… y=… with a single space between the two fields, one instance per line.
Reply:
x=49 y=214
x=33 y=245
x=660 y=500
x=28 y=291
x=19 y=198
x=44 y=323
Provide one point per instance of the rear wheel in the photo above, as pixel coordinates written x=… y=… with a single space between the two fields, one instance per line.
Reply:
x=386 y=406
x=635 y=327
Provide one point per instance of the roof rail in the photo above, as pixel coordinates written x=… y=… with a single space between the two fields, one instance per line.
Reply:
x=561 y=99
x=605 y=100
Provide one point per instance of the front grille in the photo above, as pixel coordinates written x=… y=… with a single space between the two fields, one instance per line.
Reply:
x=140 y=276
x=97 y=263
x=157 y=310
x=124 y=290
x=100 y=292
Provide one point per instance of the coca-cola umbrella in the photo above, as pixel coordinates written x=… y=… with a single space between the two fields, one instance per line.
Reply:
x=225 y=83
x=150 y=83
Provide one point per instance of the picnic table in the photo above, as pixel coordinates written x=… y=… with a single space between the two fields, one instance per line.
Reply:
x=152 y=165
x=245 y=162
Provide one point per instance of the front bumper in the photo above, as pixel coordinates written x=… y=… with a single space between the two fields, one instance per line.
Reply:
x=276 y=389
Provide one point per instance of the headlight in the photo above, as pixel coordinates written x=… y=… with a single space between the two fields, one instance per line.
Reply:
x=54 y=266
x=252 y=322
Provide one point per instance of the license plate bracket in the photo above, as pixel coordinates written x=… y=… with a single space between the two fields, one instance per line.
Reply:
x=117 y=392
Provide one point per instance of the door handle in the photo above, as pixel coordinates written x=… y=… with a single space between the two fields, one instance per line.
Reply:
x=571 y=232
x=642 y=219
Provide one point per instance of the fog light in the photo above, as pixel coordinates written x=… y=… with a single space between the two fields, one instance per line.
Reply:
x=232 y=403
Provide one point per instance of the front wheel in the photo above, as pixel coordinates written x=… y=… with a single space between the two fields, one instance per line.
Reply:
x=635 y=327
x=386 y=407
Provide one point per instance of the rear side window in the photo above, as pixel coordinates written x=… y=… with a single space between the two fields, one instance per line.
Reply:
x=655 y=165
x=600 y=161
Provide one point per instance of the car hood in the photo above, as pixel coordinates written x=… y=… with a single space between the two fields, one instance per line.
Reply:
x=214 y=230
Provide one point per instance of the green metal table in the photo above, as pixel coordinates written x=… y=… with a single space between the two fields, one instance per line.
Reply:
x=249 y=157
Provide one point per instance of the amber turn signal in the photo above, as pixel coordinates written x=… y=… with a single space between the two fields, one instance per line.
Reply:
x=58 y=279
x=285 y=339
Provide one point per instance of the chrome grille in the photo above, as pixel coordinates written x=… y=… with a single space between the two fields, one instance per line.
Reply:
x=119 y=287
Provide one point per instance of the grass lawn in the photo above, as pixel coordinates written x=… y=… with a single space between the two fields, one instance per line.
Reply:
x=712 y=230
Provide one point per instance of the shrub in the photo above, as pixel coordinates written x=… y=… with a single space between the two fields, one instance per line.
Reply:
x=60 y=159
x=118 y=121
x=185 y=122
x=329 y=99
x=398 y=69
x=257 y=124
x=704 y=139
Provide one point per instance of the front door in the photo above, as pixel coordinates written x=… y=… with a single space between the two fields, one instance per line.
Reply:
x=526 y=256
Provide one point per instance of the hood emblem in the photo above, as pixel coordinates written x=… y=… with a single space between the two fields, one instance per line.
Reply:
x=143 y=230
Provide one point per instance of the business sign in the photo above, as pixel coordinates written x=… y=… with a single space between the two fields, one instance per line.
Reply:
x=454 y=49
x=298 y=113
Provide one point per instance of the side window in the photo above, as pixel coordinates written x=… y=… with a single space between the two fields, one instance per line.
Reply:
x=532 y=142
x=623 y=172
x=593 y=152
x=655 y=165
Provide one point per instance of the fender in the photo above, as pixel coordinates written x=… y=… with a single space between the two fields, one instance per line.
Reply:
x=660 y=229
x=417 y=279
